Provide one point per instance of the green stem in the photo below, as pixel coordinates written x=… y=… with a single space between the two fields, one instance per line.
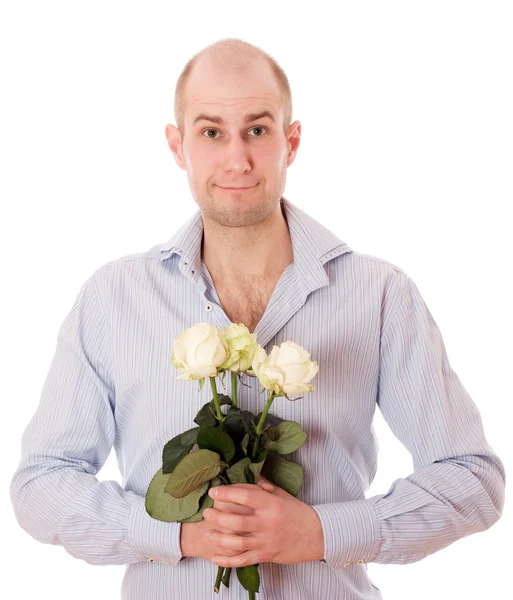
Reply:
x=217 y=585
x=234 y=388
x=220 y=415
x=226 y=576
x=251 y=595
x=260 y=425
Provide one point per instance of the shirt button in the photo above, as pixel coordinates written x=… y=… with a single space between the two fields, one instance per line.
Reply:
x=208 y=307
x=360 y=561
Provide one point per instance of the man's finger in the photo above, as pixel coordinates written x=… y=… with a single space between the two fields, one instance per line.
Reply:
x=233 y=541
x=231 y=507
x=237 y=523
x=264 y=484
x=247 y=494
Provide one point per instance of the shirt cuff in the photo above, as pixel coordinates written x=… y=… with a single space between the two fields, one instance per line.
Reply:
x=154 y=540
x=351 y=532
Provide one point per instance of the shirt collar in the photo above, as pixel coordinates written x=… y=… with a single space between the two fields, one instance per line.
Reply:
x=312 y=243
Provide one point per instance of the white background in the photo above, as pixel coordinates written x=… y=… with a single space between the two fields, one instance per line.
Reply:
x=406 y=154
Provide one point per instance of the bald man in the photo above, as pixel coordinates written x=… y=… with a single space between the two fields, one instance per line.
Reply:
x=250 y=256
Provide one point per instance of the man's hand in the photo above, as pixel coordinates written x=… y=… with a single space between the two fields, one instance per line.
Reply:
x=195 y=537
x=277 y=528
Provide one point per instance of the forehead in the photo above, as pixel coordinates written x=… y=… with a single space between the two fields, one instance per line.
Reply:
x=231 y=94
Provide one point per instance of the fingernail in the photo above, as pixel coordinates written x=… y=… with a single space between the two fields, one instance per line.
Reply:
x=213 y=493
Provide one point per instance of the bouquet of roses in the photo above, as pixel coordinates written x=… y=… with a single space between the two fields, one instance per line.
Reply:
x=236 y=446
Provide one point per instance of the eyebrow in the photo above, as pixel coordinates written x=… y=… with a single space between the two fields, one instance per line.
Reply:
x=249 y=118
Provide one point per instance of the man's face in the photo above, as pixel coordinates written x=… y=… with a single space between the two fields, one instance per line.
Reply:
x=234 y=153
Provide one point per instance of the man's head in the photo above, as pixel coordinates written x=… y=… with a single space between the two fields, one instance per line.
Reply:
x=232 y=79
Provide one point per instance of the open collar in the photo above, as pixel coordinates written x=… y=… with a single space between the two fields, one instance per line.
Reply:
x=312 y=243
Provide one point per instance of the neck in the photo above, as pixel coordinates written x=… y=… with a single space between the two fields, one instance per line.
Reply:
x=256 y=250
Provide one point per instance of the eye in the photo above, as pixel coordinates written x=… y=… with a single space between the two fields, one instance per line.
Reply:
x=215 y=130
x=258 y=127
x=210 y=130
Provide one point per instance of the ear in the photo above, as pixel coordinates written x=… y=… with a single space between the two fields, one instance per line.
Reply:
x=174 y=141
x=294 y=139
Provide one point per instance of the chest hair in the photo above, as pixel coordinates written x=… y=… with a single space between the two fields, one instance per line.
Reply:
x=245 y=300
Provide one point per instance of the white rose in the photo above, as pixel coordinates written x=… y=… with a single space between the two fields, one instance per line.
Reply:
x=287 y=370
x=241 y=346
x=198 y=351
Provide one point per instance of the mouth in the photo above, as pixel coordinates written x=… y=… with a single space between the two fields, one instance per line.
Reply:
x=237 y=189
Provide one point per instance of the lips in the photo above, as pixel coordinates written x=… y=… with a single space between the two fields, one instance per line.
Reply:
x=236 y=188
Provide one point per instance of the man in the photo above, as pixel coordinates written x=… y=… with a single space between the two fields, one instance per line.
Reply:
x=250 y=256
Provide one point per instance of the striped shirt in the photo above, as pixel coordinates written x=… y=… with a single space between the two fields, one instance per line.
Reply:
x=362 y=318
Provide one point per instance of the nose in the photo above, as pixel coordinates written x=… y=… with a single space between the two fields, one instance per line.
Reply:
x=236 y=158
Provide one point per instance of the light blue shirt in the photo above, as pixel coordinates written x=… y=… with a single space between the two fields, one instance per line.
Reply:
x=362 y=318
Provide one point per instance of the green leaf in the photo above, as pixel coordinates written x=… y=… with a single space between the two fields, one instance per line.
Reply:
x=205 y=502
x=206 y=414
x=239 y=420
x=247 y=419
x=223 y=399
x=194 y=469
x=177 y=448
x=285 y=438
x=233 y=426
x=190 y=437
x=237 y=472
x=244 y=443
x=249 y=577
x=163 y=507
x=261 y=455
x=271 y=434
x=284 y=473
x=256 y=469
x=269 y=419
x=212 y=438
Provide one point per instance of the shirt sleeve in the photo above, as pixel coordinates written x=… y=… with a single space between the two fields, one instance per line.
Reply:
x=458 y=484
x=56 y=497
